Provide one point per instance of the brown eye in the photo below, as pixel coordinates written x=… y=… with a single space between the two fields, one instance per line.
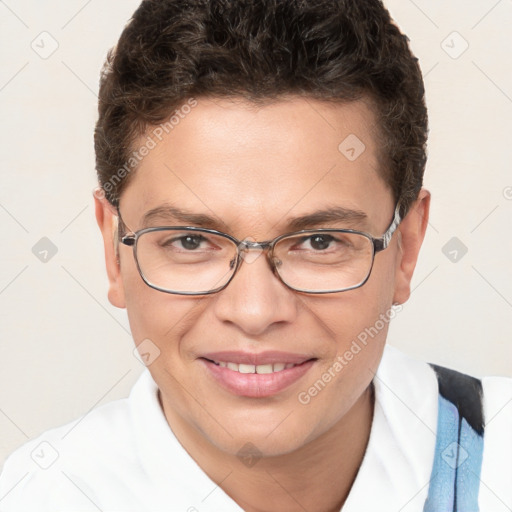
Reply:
x=320 y=242
x=190 y=242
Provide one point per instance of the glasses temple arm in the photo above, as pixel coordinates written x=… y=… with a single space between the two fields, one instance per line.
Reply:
x=382 y=243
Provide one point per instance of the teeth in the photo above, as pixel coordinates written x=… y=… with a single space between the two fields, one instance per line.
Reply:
x=264 y=368
x=246 y=368
x=251 y=368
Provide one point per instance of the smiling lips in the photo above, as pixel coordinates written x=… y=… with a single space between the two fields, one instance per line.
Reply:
x=251 y=368
x=256 y=375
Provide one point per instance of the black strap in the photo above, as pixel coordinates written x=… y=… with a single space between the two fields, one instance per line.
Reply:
x=465 y=392
x=455 y=479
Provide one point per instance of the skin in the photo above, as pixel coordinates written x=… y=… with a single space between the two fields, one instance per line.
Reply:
x=254 y=168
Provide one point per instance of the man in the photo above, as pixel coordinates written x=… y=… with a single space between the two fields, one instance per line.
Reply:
x=262 y=211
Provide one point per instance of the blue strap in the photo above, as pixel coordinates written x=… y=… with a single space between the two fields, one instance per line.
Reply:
x=455 y=477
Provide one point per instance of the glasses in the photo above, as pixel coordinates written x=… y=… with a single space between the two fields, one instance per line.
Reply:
x=199 y=261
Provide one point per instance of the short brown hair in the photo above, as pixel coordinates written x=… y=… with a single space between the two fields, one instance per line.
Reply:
x=332 y=50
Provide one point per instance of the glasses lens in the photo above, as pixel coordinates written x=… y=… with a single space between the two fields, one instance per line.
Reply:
x=185 y=261
x=324 y=261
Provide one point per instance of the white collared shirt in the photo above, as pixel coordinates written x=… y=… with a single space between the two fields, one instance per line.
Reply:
x=123 y=456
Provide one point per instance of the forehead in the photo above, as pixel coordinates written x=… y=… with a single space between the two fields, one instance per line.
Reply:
x=260 y=164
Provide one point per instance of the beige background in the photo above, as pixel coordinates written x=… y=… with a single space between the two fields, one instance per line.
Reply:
x=64 y=349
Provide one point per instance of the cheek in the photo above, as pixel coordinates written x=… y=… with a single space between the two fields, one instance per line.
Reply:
x=347 y=316
x=160 y=317
x=341 y=380
x=357 y=323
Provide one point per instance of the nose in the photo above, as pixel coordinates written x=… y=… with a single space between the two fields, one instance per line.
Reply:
x=255 y=299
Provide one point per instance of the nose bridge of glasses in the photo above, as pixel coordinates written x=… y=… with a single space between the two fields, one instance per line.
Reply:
x=245 y=245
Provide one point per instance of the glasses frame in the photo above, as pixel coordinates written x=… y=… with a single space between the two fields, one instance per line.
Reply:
x=131 y=238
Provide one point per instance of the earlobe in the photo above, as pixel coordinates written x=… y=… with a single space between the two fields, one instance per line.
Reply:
x=107 y=222
x=411 y=233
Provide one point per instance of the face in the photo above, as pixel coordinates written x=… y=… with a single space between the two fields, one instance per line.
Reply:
x=254 y=170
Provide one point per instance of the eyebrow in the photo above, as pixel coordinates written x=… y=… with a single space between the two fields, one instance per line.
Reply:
x=335 y=214
x=330 y=215
x=171 y=214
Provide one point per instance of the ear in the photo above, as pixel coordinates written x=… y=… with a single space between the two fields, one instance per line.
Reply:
x=411 y=232
x=106 y=216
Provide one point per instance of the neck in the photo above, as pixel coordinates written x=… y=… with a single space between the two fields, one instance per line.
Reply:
x=318 y=476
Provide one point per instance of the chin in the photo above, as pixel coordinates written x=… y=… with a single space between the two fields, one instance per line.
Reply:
x=265 y=440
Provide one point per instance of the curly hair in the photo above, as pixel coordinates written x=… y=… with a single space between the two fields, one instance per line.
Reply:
x=260 y=50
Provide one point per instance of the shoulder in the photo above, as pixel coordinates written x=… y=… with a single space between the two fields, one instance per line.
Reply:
x=403 y=370
x=497 y=461
x=484 y=401
x=497 y=393
x=62 y=464
x=417 y=384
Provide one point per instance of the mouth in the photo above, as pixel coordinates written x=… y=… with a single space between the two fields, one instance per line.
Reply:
x=252 y=368
x=256 y=375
